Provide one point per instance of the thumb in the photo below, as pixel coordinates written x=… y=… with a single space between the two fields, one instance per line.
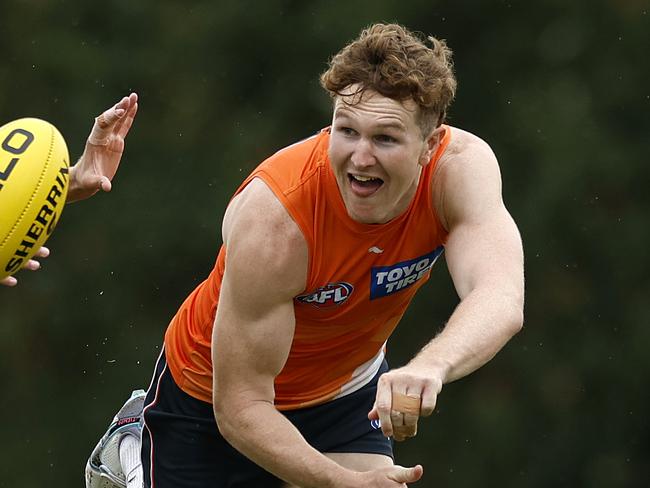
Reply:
x=406 y=475
x=94 y=182
x=105 y=184
x=373 y=414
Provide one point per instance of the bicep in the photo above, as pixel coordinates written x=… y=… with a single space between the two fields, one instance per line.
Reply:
x=251 y=341
x=483 y=247
x=266 y=266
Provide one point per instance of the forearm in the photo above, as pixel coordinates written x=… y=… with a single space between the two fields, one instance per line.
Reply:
x=480 y=326
x=266 y=437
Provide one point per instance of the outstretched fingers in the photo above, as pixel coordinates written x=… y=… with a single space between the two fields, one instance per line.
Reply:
x=124 y=125
x=107 y=118
x=116 y=120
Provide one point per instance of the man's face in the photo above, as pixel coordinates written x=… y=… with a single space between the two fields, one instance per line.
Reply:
x=377 y=152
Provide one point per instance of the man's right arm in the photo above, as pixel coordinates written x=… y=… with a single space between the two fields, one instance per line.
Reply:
x=266 y=266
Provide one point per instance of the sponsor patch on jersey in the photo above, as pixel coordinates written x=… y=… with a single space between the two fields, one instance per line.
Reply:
x=330 y=295
x=385 y=280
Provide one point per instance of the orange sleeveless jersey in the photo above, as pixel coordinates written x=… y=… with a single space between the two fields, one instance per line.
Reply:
x=361 y=279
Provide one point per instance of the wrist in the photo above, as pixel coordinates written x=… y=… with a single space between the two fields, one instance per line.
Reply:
x=330 y=474
x=347 y=478
x=73 y=184
x=436 y=369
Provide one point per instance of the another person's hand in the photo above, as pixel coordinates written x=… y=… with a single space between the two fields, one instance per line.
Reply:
x=31 y=265
x=103 y=152
x=419 y=385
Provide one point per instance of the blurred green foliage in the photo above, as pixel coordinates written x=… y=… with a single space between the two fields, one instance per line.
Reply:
x=559 y=89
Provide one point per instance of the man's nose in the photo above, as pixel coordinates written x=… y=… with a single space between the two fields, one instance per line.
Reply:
x=363 y=155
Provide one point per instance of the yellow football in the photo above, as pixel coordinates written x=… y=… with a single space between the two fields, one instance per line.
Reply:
x=34 y=180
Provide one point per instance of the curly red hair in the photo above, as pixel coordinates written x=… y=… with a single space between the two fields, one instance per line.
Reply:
x=397 y=63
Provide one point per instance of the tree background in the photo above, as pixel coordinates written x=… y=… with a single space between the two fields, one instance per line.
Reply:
x=559 y=89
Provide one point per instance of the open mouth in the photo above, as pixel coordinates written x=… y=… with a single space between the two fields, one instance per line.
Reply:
x=364 y=185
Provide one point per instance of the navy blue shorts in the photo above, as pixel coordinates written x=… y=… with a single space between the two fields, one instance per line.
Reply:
x=182 y=446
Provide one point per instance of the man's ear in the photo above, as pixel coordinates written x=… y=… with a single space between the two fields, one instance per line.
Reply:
x=432 y=141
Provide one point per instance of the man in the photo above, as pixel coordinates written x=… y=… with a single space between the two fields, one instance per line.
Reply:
x=273 y=368
x=98 y=164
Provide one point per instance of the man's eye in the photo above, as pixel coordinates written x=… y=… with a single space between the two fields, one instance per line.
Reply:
x=346 y=131
x=383 y=138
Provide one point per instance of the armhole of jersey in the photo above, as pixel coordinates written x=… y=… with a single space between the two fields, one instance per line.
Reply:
x=444 y=143
x=291 y=210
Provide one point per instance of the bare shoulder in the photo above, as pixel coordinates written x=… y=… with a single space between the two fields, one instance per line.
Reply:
x=467 y=179
x=259 y=232
x=466 y=151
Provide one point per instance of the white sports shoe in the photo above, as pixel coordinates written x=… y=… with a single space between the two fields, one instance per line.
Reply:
x=104 y=469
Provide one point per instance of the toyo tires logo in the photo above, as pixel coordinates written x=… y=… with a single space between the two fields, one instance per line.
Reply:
x=330 y=295
x=386 y=280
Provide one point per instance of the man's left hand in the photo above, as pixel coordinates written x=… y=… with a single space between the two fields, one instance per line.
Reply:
x=416 y=384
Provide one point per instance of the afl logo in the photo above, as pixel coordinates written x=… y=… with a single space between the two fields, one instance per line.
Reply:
x=330 y=295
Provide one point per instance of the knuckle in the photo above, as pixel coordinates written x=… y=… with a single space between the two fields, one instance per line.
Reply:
x=384 y=380
x=104 y=120
x=383 y=406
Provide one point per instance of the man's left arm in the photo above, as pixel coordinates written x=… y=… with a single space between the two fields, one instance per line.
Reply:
x=485 y=259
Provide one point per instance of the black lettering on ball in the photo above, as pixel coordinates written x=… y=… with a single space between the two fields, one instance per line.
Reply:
x=13 y=265
x=29 y=138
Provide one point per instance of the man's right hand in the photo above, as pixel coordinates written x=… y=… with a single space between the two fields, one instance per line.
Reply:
x=393 y=477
